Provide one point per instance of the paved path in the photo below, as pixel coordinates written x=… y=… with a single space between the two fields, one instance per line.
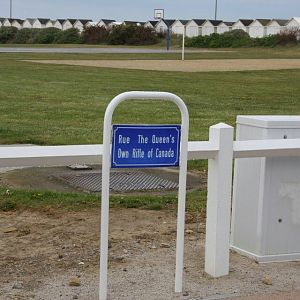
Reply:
x=90 y=50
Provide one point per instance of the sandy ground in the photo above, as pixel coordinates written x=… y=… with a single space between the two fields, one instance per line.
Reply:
x=41 y=251
x=185 y=66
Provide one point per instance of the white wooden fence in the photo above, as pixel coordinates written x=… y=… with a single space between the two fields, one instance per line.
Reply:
x=220 y=150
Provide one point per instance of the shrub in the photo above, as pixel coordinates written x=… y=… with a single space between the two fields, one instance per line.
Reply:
x=268 y=41
x=95 y=35
x=121 y=34
x=132 y=35
x=27 y=36
x=47 y=36
x=7 y=34
x=234 y=38
x=69 y=36
x=288 y=36
x=143 y=36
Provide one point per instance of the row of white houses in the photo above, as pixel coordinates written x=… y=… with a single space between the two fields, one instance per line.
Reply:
x=194 y=27
x=201 y=27
x=62 y=24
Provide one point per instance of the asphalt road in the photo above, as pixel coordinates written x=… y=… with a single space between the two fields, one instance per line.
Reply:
x=85 y=50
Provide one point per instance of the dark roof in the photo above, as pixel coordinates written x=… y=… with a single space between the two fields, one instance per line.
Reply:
x=263 y=22
x=246 y=22
x=17 y=20
x=72 y=21
x=61 y=21
x=153 y=23
x=131 y=22
x=183 y=22
x=84 y=21
x=229 y=23
x=199 y=22
x=43 y=21
x=30 y=20
x=215 y=22
x=106 y=21
x=168 y=22
x=2 y=19
x=280 y=21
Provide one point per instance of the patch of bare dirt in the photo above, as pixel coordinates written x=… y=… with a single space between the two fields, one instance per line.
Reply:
x=205 y=65
x=55 y=255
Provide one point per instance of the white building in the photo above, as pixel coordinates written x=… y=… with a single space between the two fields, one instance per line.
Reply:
x=150 y=24
x=40 y=23
x=1 y=21
x=242 y=24
x=106 y=23
x=59 y=23
x=28 y=23
x=224 y=27
x=50 y=24
x=293 y=24
x=163 y=25
x=276 y=26
x=7 y=22
x=210 y=26
x=68 y=24
x=81 y=24
x=258 y=28
x=179 y=26
x=17 y=23
x=194 y=27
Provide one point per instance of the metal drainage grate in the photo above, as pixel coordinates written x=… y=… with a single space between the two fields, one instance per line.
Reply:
x=120 y=182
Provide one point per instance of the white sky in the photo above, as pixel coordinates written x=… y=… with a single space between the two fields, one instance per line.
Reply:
x=142 y=10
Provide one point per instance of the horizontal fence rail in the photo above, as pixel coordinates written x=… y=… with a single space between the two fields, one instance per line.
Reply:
x=47 y=156
x=266 y=148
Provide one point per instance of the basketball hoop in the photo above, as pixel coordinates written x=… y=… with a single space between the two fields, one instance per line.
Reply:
x=159 y=13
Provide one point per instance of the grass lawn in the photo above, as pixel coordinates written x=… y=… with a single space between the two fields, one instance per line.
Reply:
x=52 y=104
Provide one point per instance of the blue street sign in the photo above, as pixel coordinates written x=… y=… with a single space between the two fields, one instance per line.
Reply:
x=145 y=146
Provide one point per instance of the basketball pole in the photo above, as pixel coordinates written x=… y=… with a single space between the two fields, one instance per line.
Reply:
x=183 y=44
x=10 y=9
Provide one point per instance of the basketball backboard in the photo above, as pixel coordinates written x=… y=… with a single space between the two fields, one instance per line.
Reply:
x=159 y=13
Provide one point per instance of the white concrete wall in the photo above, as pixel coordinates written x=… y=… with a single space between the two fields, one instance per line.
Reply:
x=27 y=24
x=49 y=24
x=148 y=25
x=78 y=25
x=16 y=24
x=192 y=29
x=177 y=28
x=6 y=23
x=240 y=26
x=102 y=24
x=293 y=24
x=37 y=24
x=67 y=25
x=208 y=29
x=222 y=28
x=274 y=28
x=57 y=25
x=161 y=27
x=256 y=30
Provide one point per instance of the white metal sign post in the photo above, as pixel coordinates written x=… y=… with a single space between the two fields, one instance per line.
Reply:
x=106 y=166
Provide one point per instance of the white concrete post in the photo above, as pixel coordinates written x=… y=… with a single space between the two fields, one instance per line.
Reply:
x=219 y=202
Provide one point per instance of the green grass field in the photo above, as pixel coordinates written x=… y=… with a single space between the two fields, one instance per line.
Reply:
x=52 y=104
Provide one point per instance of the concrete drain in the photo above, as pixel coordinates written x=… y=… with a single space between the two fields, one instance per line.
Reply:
x=119 y=182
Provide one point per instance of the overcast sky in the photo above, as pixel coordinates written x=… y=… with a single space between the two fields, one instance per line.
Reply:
x=141 y=10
